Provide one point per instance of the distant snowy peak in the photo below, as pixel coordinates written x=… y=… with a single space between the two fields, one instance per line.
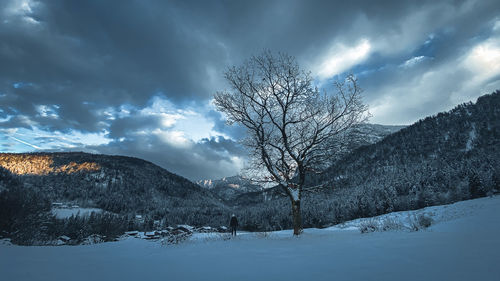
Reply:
x=206 y=183
x=229 y=187
x=234 y=182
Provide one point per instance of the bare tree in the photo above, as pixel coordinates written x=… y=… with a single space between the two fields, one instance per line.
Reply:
x=291 y=126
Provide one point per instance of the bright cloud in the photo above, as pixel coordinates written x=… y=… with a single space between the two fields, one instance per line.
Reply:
x=174 y=125
x=413 y=61
x=173 y=137
x=496 y=26
x=22 y=9
x=440 y=88
x=483 y=64
x=341 y=57
x=185 y=123
x=484 y=58
x=49 y=111
x=22 y=139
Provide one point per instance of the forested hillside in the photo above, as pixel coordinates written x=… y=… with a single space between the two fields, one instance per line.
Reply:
x=434 y=157
x=445 y=158
x=229 y=188
x=121 y=185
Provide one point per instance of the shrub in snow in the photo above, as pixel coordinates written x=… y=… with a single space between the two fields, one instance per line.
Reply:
x=372 y=225
x=424 y=221
x=173 y=239
x=369 y=225
x=389 y=224
x=420 y=221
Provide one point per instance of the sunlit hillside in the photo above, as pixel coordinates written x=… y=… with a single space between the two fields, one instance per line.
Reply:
x=42 y=164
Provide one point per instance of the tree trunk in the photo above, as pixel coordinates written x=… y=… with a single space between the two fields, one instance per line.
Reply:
x=297 y=217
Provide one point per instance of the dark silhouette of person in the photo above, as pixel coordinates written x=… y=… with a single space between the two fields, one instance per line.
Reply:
x=233 y=224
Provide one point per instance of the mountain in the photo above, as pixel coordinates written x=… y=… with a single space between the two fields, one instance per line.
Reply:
x=448 y=157
x=365 y=134
x=118 y=184
x=230 y=187
x=467 y=135
x=445 y=158
x=244 y=191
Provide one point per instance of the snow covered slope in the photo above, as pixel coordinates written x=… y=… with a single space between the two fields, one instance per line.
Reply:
x=462 y=244
x=63 y=213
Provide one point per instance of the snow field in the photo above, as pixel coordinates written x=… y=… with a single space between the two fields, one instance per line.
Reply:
x=462 y=244
x=63 y=213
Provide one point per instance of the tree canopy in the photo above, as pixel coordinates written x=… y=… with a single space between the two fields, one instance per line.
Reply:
x=292 y=126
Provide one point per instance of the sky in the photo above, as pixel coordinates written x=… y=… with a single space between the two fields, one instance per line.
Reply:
x=137 y=78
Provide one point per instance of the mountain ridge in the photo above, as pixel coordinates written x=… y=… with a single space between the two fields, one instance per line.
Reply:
x=448 y=157
x=234 y=187
x=118 y=184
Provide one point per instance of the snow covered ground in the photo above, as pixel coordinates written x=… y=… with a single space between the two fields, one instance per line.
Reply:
x=462 y=244
x=62 y=213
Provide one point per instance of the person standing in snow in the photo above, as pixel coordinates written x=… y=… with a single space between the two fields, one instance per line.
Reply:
x=233 y=224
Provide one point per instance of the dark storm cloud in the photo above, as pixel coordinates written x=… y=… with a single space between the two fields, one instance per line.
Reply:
x=208 y=159
x=434 y=77
x=16 y=122
x=103 y=53
x=123 y=126
x=82 y=59
x=111 y=53
x=221 y=144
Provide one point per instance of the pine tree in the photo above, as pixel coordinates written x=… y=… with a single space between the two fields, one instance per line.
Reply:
x=476 y=187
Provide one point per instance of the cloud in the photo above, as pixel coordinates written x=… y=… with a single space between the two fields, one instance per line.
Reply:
x=45 y=140
x=72 y=59
x=439 y=86
x=49 y=111
x=22 y=9
x=341 y=58
x=207 y=159
x=413 y=61
x=138 y=78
